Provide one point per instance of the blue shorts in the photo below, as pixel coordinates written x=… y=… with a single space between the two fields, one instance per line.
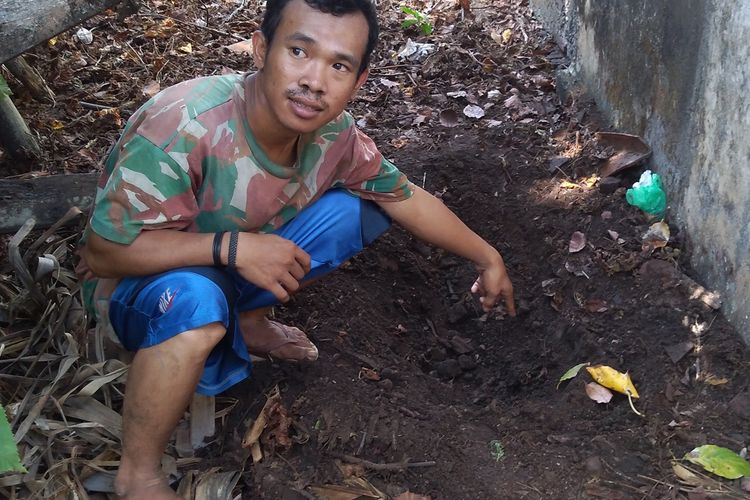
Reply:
x=145 y=311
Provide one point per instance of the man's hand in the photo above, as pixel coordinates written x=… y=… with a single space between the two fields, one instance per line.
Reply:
x=429 y=219
x=272 y=262
x=266 y=260
x=493 y=282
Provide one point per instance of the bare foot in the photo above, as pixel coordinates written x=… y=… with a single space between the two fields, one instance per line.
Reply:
x=154 y=488
x=265 y=337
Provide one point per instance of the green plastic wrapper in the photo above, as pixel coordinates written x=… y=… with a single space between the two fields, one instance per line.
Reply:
x=648 y=194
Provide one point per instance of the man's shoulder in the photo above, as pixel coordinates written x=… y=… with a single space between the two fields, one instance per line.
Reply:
x=189 y=107
x=197 y=95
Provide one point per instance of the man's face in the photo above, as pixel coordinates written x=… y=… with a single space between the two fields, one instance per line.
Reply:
x=309 y=72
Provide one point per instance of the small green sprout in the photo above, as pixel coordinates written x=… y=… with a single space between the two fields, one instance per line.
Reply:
x=497 y=451
x=416 y=18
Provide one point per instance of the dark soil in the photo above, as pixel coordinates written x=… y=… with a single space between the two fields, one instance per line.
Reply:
x=410 y=367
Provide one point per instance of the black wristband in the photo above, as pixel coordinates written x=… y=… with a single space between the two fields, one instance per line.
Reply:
x=218 y=237
x=233 y=237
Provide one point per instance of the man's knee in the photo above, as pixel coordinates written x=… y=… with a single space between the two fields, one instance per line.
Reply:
x=183 y=304
x=199 y=342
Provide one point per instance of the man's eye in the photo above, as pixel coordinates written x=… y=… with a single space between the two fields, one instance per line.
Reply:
x=340 y=67
x=297 y=52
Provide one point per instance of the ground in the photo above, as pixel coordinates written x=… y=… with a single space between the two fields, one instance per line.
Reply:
x=410 y=368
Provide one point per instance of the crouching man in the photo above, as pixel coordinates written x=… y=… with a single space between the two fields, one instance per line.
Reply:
x=223 y=196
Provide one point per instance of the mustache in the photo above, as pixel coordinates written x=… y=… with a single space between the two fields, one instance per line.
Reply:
x=305 y=94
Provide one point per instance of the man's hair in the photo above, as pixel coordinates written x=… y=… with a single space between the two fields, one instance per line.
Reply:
x=274 y=9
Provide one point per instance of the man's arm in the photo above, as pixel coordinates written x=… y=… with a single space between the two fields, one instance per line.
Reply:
x=429 y=219
x=267 y=260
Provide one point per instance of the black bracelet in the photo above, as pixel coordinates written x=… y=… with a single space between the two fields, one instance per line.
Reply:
x=233 y=237
x=218 y=237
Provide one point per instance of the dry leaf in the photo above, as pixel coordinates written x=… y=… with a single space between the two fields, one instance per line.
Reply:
x=151 y=89
x=513 y=102
x=187 y=48
x=596 y=305
x=388 y=83
x=598 y=393
x=577 y=242
x=657 y=236
x=473 y=111
x=368 y=374
x=685 y=475
x=714 y=380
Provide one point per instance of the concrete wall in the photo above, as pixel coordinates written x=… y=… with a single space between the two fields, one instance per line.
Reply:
x=677 y=72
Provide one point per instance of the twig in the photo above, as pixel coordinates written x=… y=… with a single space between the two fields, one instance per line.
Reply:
x=137 y=55
x=96 y=107
x=235 y=12
x=432 y=327
x=361 y=443
x=389 y=466
x=392 y=66
x=505 y=169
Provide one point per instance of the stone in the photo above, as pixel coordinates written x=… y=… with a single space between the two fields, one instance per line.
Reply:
x=457 y=312
x=437 y=354
x=448 y=368
x=467 y=362
x=386 y=384
x=593 y=464
x=609 y=185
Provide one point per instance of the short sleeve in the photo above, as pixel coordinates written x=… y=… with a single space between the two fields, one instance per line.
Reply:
x=147 y=189
x=373 y=177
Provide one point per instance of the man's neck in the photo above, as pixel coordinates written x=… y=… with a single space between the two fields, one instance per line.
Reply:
x=277 y=143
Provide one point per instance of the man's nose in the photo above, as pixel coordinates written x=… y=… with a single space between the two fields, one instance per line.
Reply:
x=313 y=78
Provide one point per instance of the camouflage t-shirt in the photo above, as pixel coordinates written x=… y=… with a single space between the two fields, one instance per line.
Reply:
x=187 y=160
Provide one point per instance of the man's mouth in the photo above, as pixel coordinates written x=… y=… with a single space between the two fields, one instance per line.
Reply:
x=305 y=108
x=307 y=103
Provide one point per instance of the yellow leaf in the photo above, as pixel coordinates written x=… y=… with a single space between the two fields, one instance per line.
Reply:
x=590 y=181
x=57 y=125
x=52 y=41
x=187 y=48
x=612 y=379
x=714 y=380
x=507 y=35
x=685 y=475
x=569 y=185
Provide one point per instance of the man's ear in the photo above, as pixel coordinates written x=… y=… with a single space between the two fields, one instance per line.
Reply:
x=260 y=49
x=361 y=79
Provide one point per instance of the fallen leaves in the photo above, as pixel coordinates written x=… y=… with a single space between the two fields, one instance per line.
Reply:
x=598 y=393
x=473 y=111
x=577 y=242
x=721 y=461
x=605 y=378
x=657 y=236
x=612 y=379
x=571 y=373
x=273 y=416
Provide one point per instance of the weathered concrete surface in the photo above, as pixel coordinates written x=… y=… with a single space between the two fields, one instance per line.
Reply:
x=678 y=74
